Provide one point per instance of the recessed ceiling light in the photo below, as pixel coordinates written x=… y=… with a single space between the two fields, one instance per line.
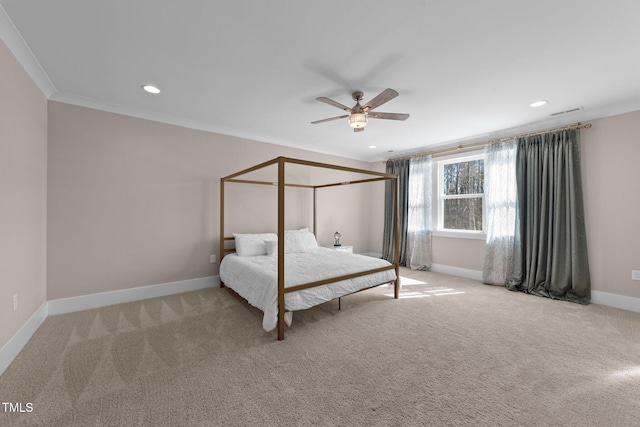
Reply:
x=151 y=89
x=538 y=103
x=372 y=146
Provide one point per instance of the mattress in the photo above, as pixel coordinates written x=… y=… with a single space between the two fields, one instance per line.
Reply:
x=255 y=278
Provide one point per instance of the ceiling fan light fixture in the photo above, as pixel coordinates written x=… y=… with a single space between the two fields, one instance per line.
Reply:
x=358 y=116
x=358 y=120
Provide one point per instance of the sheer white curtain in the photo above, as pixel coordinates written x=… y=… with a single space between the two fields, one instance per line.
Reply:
x=419 y=214
x=500 y=195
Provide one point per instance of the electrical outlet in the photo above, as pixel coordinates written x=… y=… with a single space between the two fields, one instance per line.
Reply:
x=15 y=302
x=635 y=274
x=212 y=259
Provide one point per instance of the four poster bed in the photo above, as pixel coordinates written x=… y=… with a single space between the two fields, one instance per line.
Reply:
x=279 y=278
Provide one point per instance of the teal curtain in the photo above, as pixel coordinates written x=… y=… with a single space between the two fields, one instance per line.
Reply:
x=550 y=242
x=398 y=167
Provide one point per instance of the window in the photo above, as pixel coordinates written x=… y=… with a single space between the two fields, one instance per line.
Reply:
x=461 y=194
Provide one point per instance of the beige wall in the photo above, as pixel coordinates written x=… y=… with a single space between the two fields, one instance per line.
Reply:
x=458 y=252
x=134 y=202
x=23 y=195
x=611 y=176
x=376 y=213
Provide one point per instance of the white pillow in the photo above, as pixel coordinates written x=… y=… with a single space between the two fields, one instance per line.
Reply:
x=272 y=247
x=252 y=244
x=302 y=230
x=294 y=242
x=299 y=241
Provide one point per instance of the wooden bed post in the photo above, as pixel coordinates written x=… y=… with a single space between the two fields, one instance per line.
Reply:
x=315 y=211
x=396 y=239
x=281 y=324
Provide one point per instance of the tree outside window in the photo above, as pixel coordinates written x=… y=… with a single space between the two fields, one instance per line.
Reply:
x=461 y=194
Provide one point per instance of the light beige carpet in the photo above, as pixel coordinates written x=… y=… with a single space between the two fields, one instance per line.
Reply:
x=450 y=352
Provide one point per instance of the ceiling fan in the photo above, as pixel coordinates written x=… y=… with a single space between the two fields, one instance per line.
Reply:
x=359 y=114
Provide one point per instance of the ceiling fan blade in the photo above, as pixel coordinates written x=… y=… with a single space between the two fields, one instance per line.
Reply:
x=384 y=96
x=358 y=129
x=388 y=116
x=328 y=120
x=334 y=103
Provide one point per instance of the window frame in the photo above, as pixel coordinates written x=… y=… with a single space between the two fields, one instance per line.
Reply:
x=439 y=229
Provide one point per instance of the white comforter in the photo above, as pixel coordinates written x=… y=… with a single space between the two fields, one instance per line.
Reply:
x=255 y=278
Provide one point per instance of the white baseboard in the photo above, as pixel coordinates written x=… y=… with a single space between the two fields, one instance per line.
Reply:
x=615 y=300
x=87 y=302
x=597 y=297
x=457 y=271
x=11 y=349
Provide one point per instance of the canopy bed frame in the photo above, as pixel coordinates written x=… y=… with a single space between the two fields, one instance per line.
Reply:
x=281 y=163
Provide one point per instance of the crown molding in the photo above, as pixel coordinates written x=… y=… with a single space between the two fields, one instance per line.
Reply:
x=581 y=116
x=12 y=38
x=67 y=98
x=16 y=44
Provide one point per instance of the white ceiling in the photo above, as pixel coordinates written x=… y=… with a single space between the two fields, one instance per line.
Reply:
x=465 y=70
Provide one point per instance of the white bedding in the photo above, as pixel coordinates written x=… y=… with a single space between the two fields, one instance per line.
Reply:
x=255 y=278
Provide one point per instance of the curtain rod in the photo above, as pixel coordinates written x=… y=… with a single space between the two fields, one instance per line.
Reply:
x=461 y=148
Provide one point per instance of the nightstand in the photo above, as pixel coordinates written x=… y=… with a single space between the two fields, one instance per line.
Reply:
x=342 y=248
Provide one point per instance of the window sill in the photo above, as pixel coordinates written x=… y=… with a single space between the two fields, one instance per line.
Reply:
x=476 y=235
